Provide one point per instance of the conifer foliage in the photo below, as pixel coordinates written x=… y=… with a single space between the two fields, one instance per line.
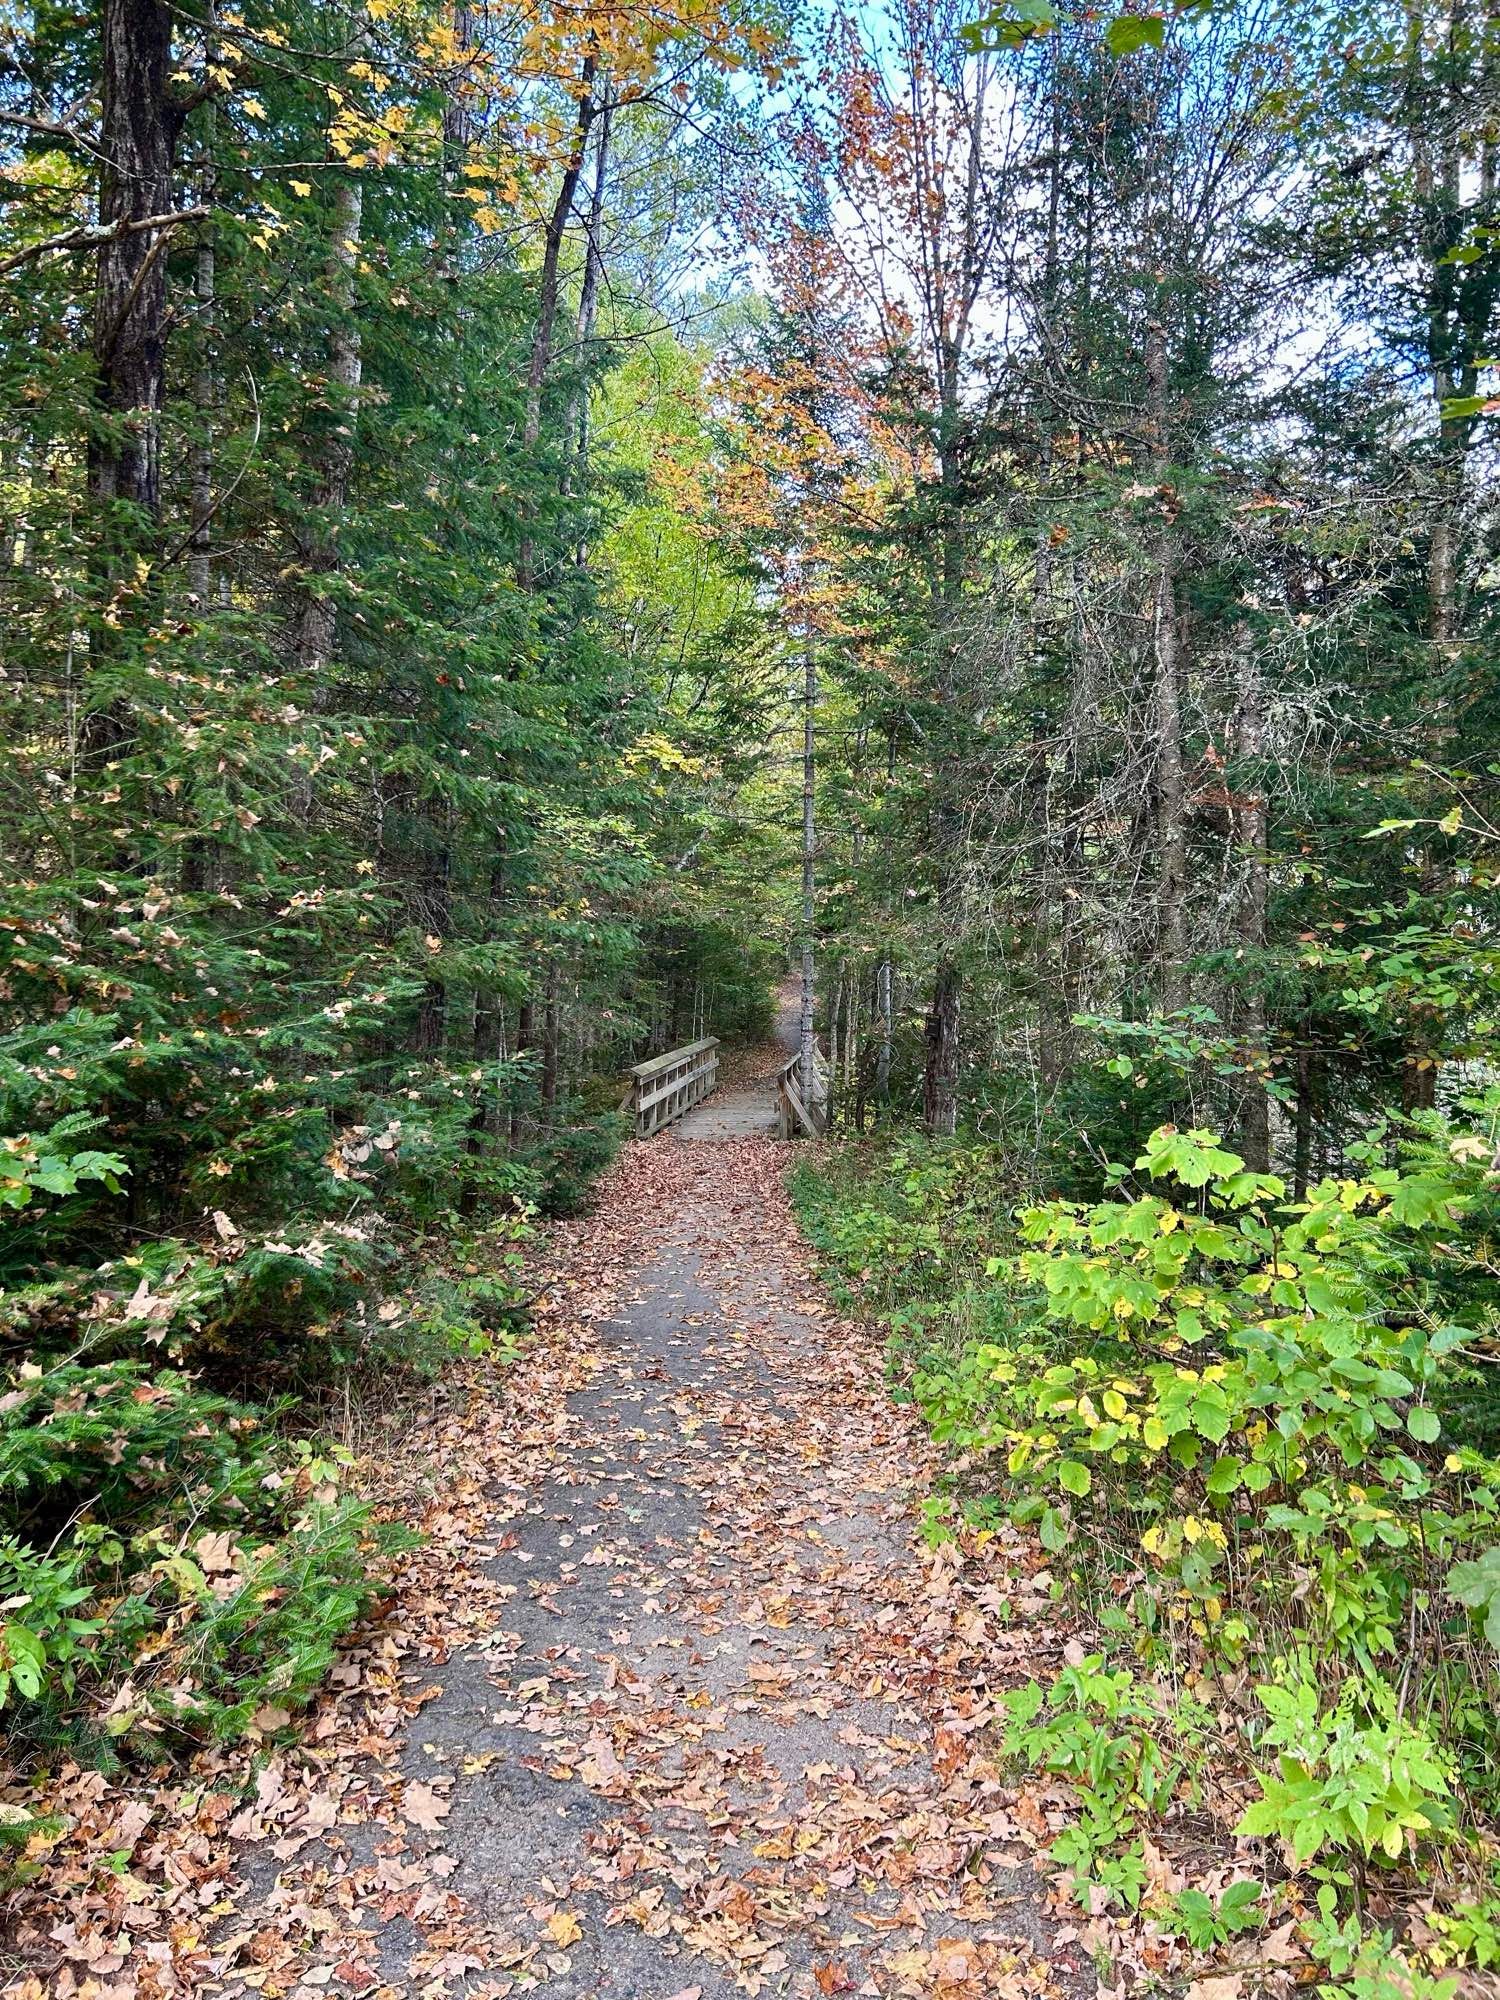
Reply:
x=337 y=885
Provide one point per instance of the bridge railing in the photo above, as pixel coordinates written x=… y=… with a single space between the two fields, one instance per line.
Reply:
x=798 y=1109
x=664 y=1088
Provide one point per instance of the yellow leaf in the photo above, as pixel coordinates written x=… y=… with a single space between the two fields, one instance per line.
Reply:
x=300 y=187
x=254 y=106
x=563 y=1928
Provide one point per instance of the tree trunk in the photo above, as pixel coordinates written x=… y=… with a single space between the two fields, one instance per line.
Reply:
x=1305 y=1116
x=316 y=631
x=205 y=386
x=1053 y=1013
x=940 y=1079
x=549 y=286
x=551 y=1035
x=137 y=142
x=886 y=1016
x=1250 y=832
x=1171 y=823
x=457 y=125
x=593 y=271
x=138 y=137
x=205 y=398
x=525 y=1045
x=806 y=1020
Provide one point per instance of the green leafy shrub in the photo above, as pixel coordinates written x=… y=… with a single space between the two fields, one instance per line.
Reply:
x=1099 y=1728
x=43 y=1637
x=1242 y=1424
x=1257 y=1374
x=1208 y=1925
x=31 y=1166
x=1359 y=1777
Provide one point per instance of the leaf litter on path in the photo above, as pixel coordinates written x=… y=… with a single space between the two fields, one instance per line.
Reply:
x=670 y=1702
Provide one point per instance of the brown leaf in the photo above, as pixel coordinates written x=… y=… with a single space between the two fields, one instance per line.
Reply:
x=563 y=1928
x=422 y=1807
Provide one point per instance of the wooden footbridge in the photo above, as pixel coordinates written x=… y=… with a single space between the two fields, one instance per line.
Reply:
x=667 y=1087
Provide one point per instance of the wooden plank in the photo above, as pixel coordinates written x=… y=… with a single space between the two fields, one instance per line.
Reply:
x=662 y=1089
x=790 y=1092
x=659 y=1063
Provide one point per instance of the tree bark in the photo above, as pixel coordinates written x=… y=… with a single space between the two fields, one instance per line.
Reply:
x=1305 y=1115
x=138 y=131
x=551 y=1039
x=944 y=1017
x=205 y=400
x=593 y=271
x=549 y=288
x=940 y=1079
x=1251 y=834
x=807 y=1015
x=316 y=633
x=1171 y=823
x=886 y=1016
x=139 y=126
x=457 y=125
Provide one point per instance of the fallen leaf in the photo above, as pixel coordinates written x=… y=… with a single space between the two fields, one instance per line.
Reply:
x=422 y=1807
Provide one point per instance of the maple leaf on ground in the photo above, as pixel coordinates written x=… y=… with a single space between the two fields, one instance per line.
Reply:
x=422 y=1807
x=563 y=1928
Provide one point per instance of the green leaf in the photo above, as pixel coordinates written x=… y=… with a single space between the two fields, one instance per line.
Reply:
x=1074 y=1477
x=1211 y=1413
x=1455 y=407
x=1422 y=1424
x=1476 y=1585
x=1129 y=32
x=1010 y=25
x=1237 y=1902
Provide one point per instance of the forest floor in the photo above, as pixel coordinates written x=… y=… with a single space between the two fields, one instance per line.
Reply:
x=672 y=1703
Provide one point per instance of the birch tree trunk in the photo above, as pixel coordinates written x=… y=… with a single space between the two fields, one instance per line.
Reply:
x=1251 y=834
x=316 y=632
x=1171 y=881
x=886 y=1017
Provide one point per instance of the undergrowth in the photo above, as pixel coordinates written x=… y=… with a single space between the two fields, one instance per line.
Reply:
x=183 y=1538
x=1251 y=1433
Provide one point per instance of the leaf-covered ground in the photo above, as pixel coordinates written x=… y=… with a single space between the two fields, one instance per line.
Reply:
x=671 y=1702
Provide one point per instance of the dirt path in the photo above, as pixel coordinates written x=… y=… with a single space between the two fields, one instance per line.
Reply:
x=672 y=1703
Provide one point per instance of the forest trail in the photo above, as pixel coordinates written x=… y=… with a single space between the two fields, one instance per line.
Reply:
x=673 y=1703
x=745 y=1107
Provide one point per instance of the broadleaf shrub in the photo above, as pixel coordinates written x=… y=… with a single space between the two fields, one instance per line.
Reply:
x=1243 y=1426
